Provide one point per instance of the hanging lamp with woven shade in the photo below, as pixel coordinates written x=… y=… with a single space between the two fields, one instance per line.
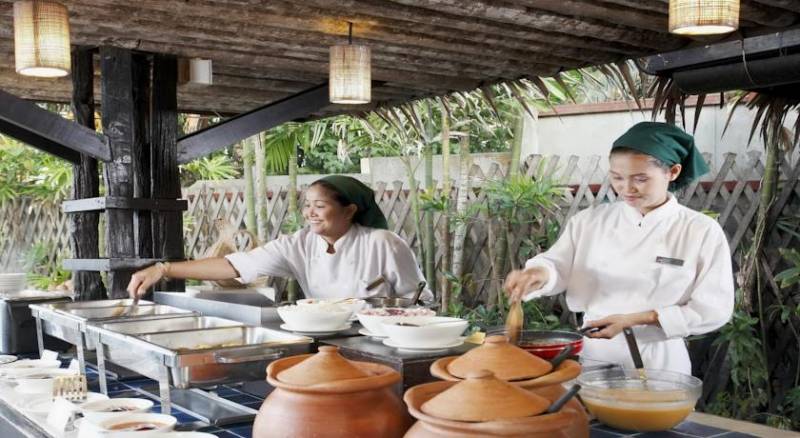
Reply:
x=703 y=17
x=41 y=38
x=350 y=76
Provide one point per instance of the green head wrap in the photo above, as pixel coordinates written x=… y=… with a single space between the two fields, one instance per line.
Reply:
x=356 y=192
x=670 y=144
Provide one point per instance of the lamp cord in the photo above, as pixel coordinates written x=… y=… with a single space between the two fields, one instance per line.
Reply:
x=350 y=33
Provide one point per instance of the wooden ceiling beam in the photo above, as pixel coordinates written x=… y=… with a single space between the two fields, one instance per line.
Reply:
x=144 y=24
x=547 y=22
x=230 y=131
x=50 y=132
x=610 y=14
x=373 y=15
x=789 y=5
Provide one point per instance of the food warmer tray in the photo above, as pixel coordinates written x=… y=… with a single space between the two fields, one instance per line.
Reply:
x=68 y=321
x=197 y=358
x=17 y=324
x=246 y=306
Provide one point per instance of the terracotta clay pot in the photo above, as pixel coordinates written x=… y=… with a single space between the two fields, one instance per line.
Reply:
x=569 y=422
x=566 y=371
x=359 y=402
x=549 y=386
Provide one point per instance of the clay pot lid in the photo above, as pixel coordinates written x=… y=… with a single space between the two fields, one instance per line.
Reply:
x=324 y=367
x=484 y=397
x=506 y=361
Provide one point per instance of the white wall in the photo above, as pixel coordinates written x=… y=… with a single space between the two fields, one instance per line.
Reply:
x=583 y=135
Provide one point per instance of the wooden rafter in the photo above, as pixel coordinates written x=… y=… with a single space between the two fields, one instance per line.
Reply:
x=49 y=132
x=298 y=106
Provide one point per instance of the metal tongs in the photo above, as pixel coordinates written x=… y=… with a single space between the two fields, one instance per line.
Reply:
x=635 y=355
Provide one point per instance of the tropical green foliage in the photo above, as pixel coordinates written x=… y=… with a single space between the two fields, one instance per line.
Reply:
x=25 y=171
x=217 y=166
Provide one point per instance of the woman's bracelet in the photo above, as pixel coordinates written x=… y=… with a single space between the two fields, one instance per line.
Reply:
x=164 y=268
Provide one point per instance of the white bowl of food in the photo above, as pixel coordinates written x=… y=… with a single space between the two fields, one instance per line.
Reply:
x=40 y=381
x=100 y=410
x=354 y=304
x=136 y=425
x=372 y=319
x=425 y=331
x=318 y=317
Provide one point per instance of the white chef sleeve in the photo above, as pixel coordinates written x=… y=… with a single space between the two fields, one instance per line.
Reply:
x=400 y=267
x=270 y=259
x=557 y=260
x=710 y=304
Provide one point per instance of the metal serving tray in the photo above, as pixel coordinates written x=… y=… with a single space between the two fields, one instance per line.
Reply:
x=196 y=358
x=68 y=321
x=247 y=306
x=17 y=324
x=179 y=323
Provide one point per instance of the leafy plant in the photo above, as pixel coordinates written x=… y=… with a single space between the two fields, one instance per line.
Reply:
x=790 y=276
x=218 y=166
x=747 y=394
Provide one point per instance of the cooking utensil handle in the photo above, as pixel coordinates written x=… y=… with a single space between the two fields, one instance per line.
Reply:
x=633 y=347
x=562 y=356
x=420 y=287
x=561 y=401
x=375 y=283
x=221 y=357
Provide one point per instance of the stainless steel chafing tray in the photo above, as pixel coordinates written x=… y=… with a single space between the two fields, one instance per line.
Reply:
x=195 y=358
x=68 y=321
x=17 y=325
x=179 y=323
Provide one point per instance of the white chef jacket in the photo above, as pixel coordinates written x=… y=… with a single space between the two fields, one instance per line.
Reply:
x=362 y=255
x=611 y=260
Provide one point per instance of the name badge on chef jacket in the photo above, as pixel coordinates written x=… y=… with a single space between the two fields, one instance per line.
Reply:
x=669 y=261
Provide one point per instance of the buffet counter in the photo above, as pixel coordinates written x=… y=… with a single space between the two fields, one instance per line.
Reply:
x=14 y=422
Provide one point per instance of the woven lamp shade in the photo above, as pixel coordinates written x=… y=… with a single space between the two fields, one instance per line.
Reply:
x=350 y=74
x=703 y=17
x=41 y=38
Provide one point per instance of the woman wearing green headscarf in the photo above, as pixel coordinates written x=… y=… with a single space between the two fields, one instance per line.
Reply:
x=644 y=262
x=344 y=248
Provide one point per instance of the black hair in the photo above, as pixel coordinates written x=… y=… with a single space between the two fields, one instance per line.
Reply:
x=654 y=160
x=337 y=196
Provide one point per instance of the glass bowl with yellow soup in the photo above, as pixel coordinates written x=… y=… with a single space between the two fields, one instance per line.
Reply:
x=639 y=400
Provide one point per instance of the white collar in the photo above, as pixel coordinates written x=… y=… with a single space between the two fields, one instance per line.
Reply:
x=655 y=216
x=340 y=242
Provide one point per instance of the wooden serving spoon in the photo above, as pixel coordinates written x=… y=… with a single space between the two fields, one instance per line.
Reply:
x=514 y=321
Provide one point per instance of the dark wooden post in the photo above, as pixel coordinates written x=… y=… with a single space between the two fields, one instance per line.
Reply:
x=141 y=154
x=85 y=180
x=167 y=224
x=119 y=124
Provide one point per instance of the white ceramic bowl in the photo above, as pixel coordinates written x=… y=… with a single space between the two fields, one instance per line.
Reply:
x=42 y=404
x=354 y=304
x=432 y=331
x=40 y=381
x=372 y=319
x=98 y=411
x=315 y=317
x=161 y=422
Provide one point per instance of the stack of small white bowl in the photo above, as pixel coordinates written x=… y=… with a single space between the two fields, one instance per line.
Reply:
x=13 y=282
x=373 y=319
x=424 y=332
